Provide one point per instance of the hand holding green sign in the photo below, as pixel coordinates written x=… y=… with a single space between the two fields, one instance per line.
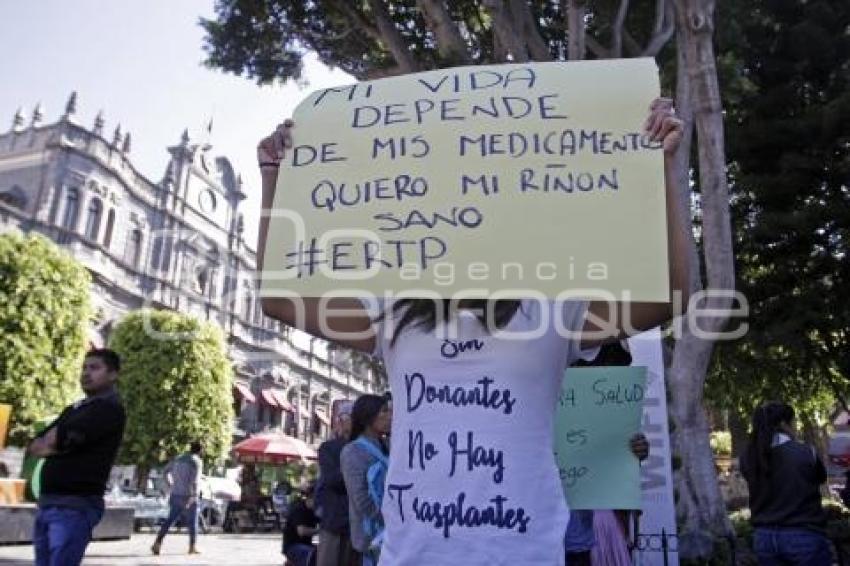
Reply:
x=599 y=409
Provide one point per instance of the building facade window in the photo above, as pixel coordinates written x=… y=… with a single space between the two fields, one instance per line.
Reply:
x=69 y=215
x=202 y=280
x=93 y=220
x=72 y=204
x=213 y=288
x=258 y=314
x=133 y=249
x=110 y=225
x=247 y=303
x=14 y=197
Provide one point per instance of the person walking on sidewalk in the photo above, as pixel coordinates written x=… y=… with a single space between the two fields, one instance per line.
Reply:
x=183 y=476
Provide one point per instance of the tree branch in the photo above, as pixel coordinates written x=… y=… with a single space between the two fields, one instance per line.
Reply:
x=450 y=43
x=504 y=31
x=617 y=29
x=633 y=48
x=390 y=35
x=500 y=52
x=596 y=48
x=576 y=29
x=659 y=16
x=524 y=21
x=358 y=19
x=665 y=27
x=381 y=73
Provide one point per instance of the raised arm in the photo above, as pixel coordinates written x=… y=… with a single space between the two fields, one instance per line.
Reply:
x=603 y=325
x=340 y=320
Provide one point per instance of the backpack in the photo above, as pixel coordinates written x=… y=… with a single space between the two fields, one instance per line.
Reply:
x=376 y=476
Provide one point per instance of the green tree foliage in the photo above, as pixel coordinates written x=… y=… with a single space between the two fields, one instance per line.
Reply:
x=44 y=316
x=176 y=385
x=789 y=146
x=267 y=40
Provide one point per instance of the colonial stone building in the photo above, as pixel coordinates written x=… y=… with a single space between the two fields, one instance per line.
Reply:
x=179 y=243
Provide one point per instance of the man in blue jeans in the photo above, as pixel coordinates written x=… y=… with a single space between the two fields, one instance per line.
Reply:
x=79 y=448
x=183 y=476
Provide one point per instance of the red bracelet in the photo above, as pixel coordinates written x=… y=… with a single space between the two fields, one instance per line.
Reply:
x=269 y=164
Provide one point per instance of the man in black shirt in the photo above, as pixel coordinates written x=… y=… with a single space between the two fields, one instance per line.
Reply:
x=301 y=526
x=79 y=447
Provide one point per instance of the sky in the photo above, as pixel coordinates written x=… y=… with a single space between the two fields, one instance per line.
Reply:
x=140 y=61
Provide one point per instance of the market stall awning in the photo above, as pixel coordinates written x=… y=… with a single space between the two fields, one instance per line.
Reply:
x=282 y=402
x=243 y=391
x=323 y=418
x=269 y=398
x=273 y=448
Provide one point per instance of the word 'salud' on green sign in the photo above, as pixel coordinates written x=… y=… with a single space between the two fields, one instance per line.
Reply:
x=599 y=410
x=511 y=179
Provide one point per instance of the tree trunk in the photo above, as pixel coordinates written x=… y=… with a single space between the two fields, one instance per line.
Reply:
x=617 y=29
x=407 y=63
x=450 y=43
x=505 y=31
x=142 y=473
x=524 y=22
x=740 y=436
x=665 y=27
x=700 y=507
x=576 y=13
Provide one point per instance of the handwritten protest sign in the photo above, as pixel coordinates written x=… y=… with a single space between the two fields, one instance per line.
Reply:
x=510 y=178
x=599 y=409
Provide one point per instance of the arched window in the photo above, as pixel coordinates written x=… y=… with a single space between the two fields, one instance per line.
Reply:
x=213 y=276
x=72 y=204
x=247 y=303
x=258 y=314
x=133 y=249
x=110 y=224
x=203 y=278
x=93 y=221
x=14 y=197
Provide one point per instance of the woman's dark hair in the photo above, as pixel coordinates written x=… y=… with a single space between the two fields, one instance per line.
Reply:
x=422 y=313
x=613 y=354
x=766 y=421
x=363 y=413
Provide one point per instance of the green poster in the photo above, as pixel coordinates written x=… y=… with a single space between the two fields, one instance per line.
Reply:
x=599 y=409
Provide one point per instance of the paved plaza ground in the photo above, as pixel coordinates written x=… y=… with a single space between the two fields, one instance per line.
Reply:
x=241 y=549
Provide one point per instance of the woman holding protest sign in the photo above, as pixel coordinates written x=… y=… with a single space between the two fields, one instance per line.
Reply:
x=472 y=477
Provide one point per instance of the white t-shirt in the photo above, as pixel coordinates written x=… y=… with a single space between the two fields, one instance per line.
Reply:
x=472 y=477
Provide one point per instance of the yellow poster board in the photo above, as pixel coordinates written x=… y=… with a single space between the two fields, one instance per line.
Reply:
x=5 y=416
x=514 y=179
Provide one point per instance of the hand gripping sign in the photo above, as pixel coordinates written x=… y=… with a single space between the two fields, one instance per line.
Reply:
x=519 y=180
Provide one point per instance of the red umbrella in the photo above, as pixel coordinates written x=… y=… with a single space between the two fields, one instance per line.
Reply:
x=273 y=448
